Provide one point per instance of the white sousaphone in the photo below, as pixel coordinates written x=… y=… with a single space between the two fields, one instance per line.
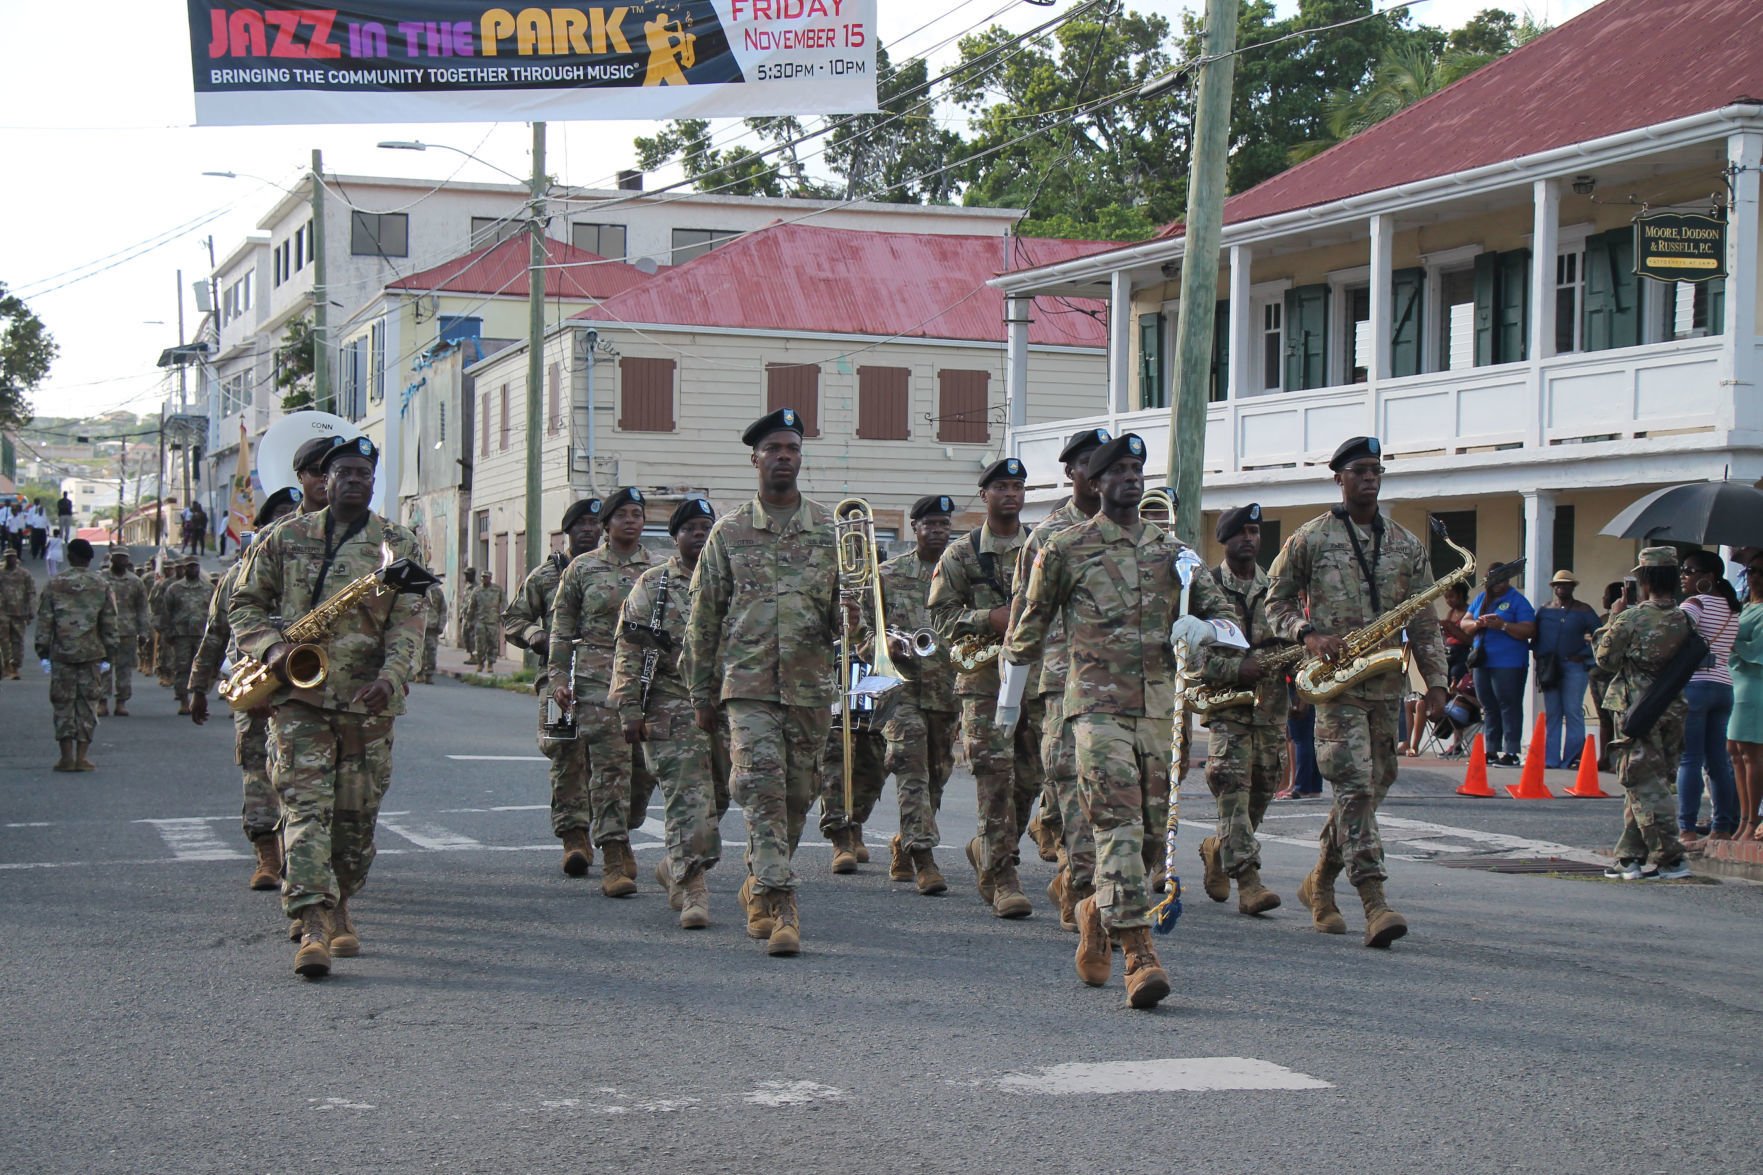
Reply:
x=277 y=446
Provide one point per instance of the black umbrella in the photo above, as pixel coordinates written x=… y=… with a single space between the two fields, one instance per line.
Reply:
x=1712 y=513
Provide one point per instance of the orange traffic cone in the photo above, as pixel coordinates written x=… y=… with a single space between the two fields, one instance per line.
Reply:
x=1475 y=780
x=1530 y=782
x=1585 y=784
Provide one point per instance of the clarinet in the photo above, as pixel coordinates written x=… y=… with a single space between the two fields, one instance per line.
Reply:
x=652 y=655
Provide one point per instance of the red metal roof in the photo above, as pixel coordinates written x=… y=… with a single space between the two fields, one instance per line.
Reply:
x=502 y=269
x=799 y=277
x=1621 y=65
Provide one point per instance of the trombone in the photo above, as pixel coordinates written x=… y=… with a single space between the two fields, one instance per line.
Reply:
x=859 y=573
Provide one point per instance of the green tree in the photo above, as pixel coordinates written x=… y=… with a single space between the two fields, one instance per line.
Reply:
x=294 y=364
x=737 y=171
x=887 y=156
x=27 y=351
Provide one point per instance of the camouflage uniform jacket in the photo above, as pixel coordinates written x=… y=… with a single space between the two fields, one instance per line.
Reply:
x=76 y=619
x=765 y=609
x=586 y=608
x=526 y=620
x=929 y=682
x=1118 y=594
x=155 y=594
x=627 y=662
x=183 y=608
x=1219 y=663
x=1634 y=646
x=217 y=638
x=131 y=603
x=377 y=638
x=1053 y=661
x=1317 y=567
x=18 y=592
x=435 y=609
x=962 y=596
x=486 y=604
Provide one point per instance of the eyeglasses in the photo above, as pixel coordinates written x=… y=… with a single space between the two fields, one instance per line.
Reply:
x=1365 y=470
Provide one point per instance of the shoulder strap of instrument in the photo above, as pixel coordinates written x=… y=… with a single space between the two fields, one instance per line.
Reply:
x=988 y=564
x=1370 y=569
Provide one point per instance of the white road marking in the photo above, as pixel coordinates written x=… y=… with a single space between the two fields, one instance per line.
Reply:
x=500 y=758
x=337 y=1103
x=193 y=840
x=1173 y=1075
x=31 y=824
x=1426 y=836
x=791 y=1093
x=430 y=836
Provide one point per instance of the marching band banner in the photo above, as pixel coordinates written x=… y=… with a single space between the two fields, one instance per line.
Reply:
x=458 y=61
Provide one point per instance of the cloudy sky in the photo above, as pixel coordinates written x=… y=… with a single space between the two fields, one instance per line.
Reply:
x=104 y=160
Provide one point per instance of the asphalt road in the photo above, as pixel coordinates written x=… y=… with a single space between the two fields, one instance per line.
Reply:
x=503 y=1016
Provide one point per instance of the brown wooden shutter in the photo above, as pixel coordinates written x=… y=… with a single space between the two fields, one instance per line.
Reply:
x=504 y=397
x=963 y=414
x=554 y=382
x=645 y=394
x=882 y=398
x=795 y=385
x=483 y=427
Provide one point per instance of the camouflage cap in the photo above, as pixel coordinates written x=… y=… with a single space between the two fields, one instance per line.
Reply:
x=1657 y=557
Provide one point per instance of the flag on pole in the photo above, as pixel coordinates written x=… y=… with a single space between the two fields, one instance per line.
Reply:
x=241 y=508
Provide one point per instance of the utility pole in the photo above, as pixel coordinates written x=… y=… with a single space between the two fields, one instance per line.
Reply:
x=122 y=474
x=1199 y=264
x=159 y=489
x=183 y=392
x=321 y=294
x=535 y=356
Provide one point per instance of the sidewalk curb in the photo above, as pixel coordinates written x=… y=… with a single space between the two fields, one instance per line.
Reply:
x=1729 y=858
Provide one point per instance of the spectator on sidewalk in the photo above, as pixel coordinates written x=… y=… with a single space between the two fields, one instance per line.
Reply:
x=1306 y=776
x=1501 y=622
x=38 y=521
x=1563 y=649
x=1456 y=640
x=1744 y=730
x=54 y=549
x=1713 y=607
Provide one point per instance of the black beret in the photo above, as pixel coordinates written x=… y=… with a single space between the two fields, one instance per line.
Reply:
x=1008 y=467
x=308 y=456
x=627 y=496
x=80 y=548
x=1127 y=444
x=587 y=507
x=1082 y=442
x=783 y=420
x=1354 y=448
x=687 y=510
x=358 y=447
x=1231 y=522
x=286 y=496
x=932 y=504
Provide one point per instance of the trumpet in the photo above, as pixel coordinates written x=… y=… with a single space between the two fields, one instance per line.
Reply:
x=922 y=641
x=859 y=573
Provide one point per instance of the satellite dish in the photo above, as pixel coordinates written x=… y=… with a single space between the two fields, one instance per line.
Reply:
x=646 y=265
x=277 y=446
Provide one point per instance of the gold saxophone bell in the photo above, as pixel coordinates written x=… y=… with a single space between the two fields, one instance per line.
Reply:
x=306 y=666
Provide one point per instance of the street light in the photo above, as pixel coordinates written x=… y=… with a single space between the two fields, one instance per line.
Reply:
x=414 y=145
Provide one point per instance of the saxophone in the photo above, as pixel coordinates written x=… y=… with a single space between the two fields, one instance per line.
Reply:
x=1204 y=700
x=1368 y=653
x=975 y=649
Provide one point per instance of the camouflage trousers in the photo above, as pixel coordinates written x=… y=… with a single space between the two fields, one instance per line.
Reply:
x=920 y=754
x=1245 y=765
x=1647 y=770
x=73 y=692
x=119 y=679
x=1059 y=761
x=178 y=653
x=568 y=771
x=466 y=638
x=868 y=776
x=1007 y=772
x=12 y=642
x=262 y=812
x=682 y=759
x=161 y=659
x=1356 y=753
x=431 y=651
x=774 y=773
x=331 y=771
x=1123 y=771
x=486 y=642
x=618 y=783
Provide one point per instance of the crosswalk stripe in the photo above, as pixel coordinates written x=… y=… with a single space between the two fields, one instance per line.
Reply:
x=194 y=840
x=1172 y=1075
x=430 y=836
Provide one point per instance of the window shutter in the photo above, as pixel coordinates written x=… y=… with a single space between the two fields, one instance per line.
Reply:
x=963 y=407
x=1512 y=334
x=1151 y=391
x=1306 y=337
x=504 y=428
x=1487 y=293
x=882 y=403
x=645 y=394
x=1612 y=292
x=1220 y=351
x=1407 y=288
x=483 y=427
x=554 y=399
x=795 y=385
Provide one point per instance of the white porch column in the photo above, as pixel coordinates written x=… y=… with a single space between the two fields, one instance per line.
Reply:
x=1017 y=312
x=1539 y=548
x=1744 y=151
x=1545 y=243
x=1383 y=230
x=1242 y=340
x=1120 y=342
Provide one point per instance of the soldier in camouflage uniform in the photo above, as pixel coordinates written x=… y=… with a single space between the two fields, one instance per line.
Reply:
x=761 y=639
x=18 y=599
x=1112 y=580
x=333 y=742
x=131 y=621
x=1060 y=825
x=869 y=775
x=465 y=628
x=1245 y=757
x=655 y=710
x=487 y=604
x=584 y=622
x=183 y=614
x=158 y=660
x=1637 y=643
x=261 y=813
x=434 y=620
x=526 y=624
x=1349 y=567
x=76 y=634
x=970 y=597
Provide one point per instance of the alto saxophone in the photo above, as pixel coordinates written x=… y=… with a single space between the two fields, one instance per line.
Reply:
x=1205 y=700
x=1368 y=652
x=975 y=649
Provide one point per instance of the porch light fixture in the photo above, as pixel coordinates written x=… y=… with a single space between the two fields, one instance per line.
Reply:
x=1584 y=185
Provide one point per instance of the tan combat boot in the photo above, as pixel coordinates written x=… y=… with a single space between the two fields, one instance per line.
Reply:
x=1382 y=924
x=1146 y=981
x=1046 y=839
x=268 y=874
x=345 y=941
x=757 y=909
x=65 y=763
x=899 y=861
x=1252 y=896
x=844 y=852
x=858 y=846
x=1095 y=959
x=786 y=930
x=183 y=705
x=694 y=910
x=1056 y=893
x=618 y=875
x=930 y=878
x=676 y=896
x=983 y=880
x=1316 y=894
x=103 y=710
x=313 y=959
x=121 y=710
x=1008 y=900
x=1068 y=910
x=578 y=852
x=80 y=762
x=1215 y=880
